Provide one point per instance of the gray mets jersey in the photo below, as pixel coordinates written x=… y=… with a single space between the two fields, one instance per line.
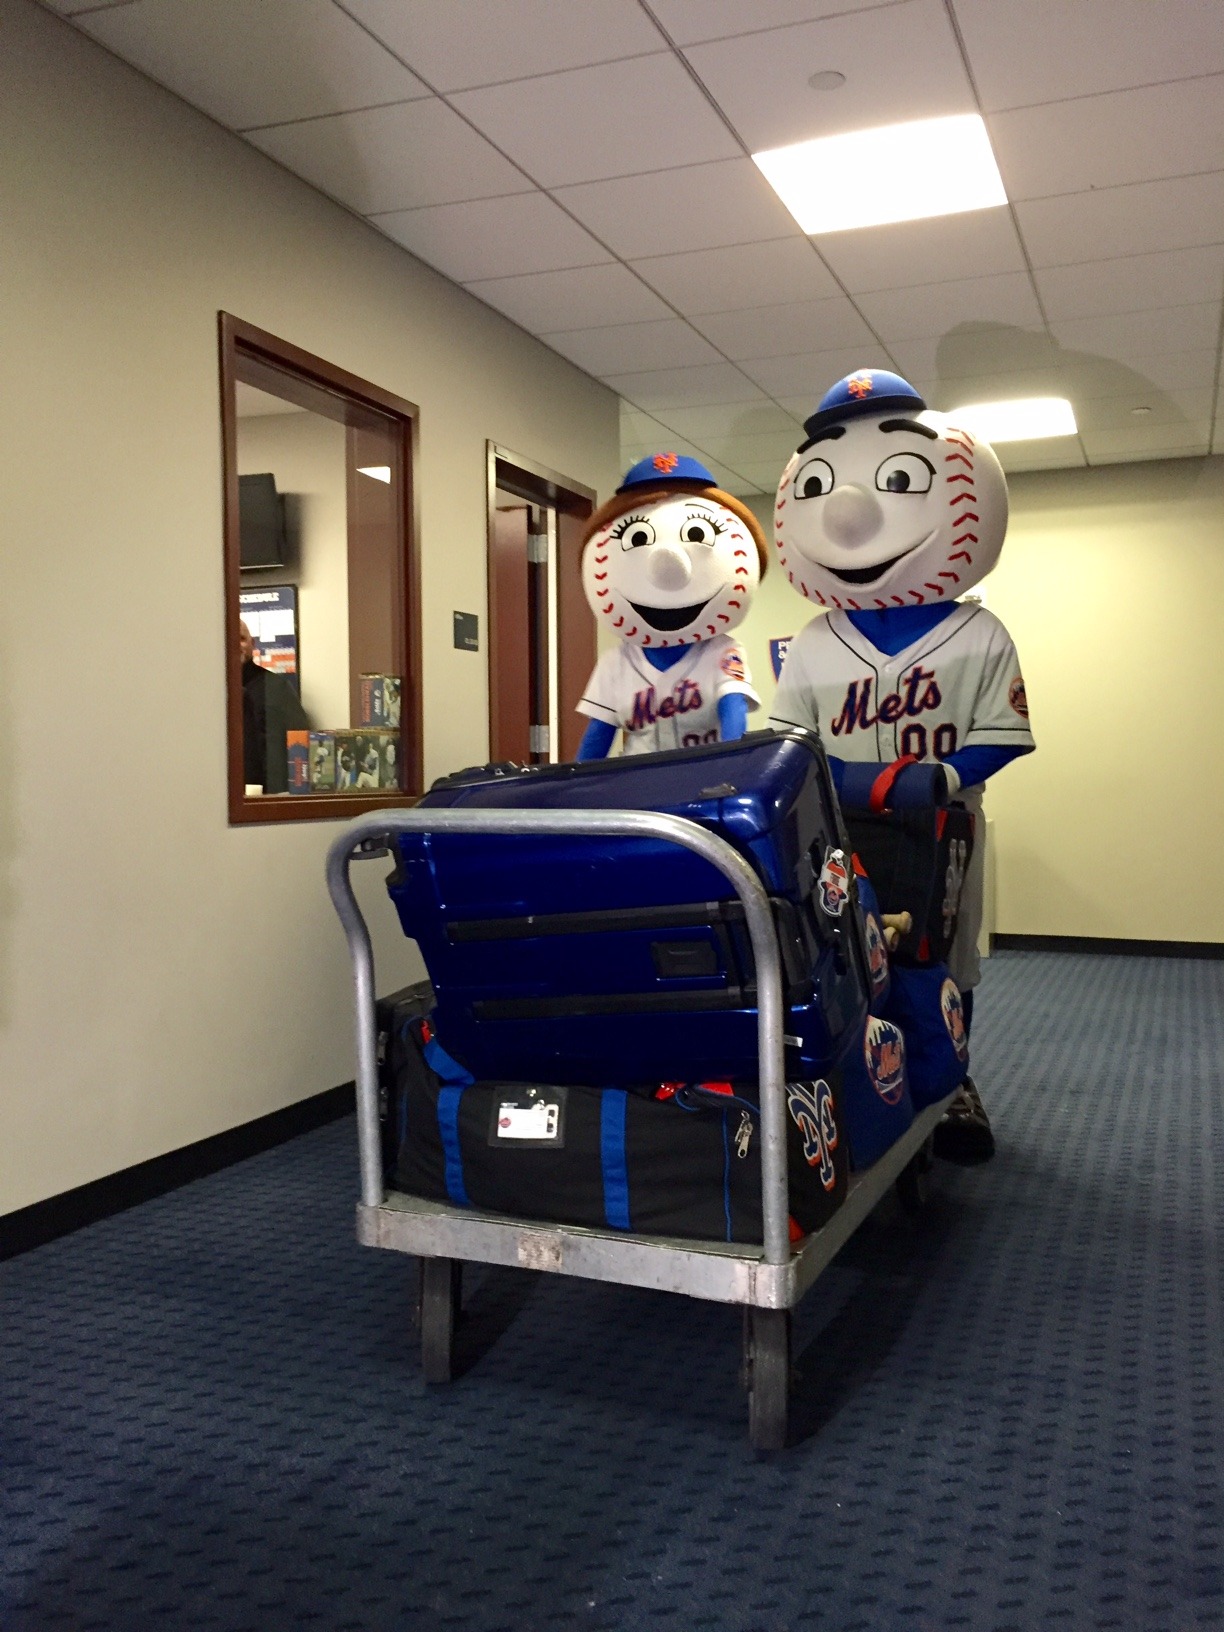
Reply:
x=668 y=708
x=958 y=686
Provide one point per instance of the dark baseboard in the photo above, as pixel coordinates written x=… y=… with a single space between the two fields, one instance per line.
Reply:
x=1109 y=945
x=59 y=1215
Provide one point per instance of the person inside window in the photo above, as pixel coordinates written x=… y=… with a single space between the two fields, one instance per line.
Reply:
x=270 y=708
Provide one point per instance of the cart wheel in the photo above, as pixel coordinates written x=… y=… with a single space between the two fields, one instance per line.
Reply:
x=768 y=1367
x=914 y=1181
x=441 y=1280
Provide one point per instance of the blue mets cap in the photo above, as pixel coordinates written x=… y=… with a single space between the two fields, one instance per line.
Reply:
x=867 y=391
x=665 y=468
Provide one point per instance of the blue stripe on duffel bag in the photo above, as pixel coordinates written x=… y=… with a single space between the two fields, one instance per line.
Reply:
x=448 y=1127
x=613 y=1111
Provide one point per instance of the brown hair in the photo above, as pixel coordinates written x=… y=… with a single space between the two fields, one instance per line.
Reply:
x=620 y=504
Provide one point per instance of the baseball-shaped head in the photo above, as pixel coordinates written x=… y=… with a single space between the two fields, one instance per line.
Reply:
x=670 y=558
x=885 y=503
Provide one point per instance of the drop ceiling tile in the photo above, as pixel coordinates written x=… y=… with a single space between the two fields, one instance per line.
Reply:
x=1125 y=334
x=621 y=348
x=631 y=452
x=616 y=119
x=1133 y=283
x=781 y=331
x=1029 y=51
x=701 y=206
x=720 y=421
x=493 y=42
x=1142 y=218
x=1165 y=409
x=1043 y=453
x=579 y=298
x=973 y=351
x=1144 y=375
x=659 y=388
x=944 y=395
x=773 y=449
x=934 y=308
x=690 y=21
x=69 y=8
x=763 y=473
x=739 y=276
x=637 y=426
x=1110 y=140
x=978 y=244
x=398 y=158
x=493 y=237
x=253 y=65
x=815 y=371
x=1160 y=441
x=900 y=63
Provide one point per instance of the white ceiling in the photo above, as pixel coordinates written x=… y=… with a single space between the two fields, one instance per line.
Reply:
x=583 y=166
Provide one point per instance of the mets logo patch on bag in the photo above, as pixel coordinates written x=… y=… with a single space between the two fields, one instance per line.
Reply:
x=811 y=1108
x=952 y=1008
x=884 y=1049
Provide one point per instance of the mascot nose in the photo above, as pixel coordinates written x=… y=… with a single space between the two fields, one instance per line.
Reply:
x=852 y=515
x=669 y=568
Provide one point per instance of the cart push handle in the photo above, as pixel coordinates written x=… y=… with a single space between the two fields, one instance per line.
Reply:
x=370 y=835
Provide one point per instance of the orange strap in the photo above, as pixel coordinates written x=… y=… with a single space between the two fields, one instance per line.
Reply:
x=882 y=786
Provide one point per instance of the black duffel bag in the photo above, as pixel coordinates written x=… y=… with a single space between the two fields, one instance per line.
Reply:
x=916 y=856
x=688 y=1165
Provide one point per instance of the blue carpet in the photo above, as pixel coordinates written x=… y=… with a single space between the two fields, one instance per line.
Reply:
x=1008 y=1417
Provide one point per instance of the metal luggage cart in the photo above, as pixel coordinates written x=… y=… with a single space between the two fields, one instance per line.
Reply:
x=768 y=1281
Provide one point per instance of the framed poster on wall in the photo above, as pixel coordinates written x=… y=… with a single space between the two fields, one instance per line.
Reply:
x=271 y=616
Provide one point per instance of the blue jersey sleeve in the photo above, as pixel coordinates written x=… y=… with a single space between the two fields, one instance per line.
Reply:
x=732 y=716
x=597 y=740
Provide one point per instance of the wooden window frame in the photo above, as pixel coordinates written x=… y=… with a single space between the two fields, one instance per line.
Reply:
x=243 y=809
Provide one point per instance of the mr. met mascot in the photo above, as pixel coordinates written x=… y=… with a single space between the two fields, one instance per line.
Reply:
x=885 y=515
x=670 y=564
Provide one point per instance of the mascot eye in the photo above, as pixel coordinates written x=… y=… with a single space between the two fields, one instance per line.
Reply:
x=634 y=532
x=699 y=529
x=905 y=473
x=814 y=479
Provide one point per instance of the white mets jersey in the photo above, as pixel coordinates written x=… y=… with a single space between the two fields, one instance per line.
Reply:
x=669 y=708
x=959 y=686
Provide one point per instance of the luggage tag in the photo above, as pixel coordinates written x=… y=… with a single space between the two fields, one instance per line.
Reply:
x=528 y=1118
x=834 y=882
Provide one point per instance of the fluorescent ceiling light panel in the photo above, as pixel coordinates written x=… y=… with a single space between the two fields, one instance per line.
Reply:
x=1022 y=420
x=380 y=473
x=894 y=173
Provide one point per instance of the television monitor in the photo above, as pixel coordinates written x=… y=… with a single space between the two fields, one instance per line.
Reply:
x=261 y=521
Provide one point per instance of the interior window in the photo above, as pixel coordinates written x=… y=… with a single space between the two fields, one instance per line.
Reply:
x=323 y=664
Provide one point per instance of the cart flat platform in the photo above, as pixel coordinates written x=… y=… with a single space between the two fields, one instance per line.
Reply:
x=722 y=1272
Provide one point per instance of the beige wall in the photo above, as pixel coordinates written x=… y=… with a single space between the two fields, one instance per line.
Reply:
x=163 y=976
x=1111 y=583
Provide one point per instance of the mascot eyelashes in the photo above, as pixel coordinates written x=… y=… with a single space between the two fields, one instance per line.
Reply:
x=884 y=515
x=670 y=564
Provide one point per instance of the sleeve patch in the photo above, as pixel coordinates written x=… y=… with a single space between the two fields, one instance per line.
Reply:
x=1017 y=698
x=732 y=664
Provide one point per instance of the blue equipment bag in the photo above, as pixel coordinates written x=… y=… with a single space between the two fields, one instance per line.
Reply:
x=926 y=1004
x=687 y=1166
x=590 y=961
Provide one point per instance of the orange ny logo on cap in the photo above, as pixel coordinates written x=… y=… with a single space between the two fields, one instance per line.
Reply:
x=665 y=463
x=859 y=385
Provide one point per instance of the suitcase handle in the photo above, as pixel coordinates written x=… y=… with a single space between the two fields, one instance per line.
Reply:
x=883 y=784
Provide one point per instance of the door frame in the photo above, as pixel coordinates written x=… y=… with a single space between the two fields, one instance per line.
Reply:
x=536 y=484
